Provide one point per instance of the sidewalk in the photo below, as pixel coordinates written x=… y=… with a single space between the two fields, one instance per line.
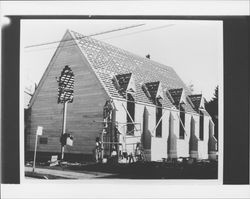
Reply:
x=62 y=174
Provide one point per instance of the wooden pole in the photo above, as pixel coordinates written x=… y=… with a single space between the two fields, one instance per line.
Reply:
x=64 y=126
x=34 y=162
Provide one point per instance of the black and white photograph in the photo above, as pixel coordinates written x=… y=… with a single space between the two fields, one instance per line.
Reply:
x=124 y=99
x=133 y=99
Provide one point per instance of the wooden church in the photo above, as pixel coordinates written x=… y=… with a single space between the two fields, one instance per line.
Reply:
x=123 y=99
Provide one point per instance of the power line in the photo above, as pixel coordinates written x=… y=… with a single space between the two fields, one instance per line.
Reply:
x=95 y=34
x=145 y=30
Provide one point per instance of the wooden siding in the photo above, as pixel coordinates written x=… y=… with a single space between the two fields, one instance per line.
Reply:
x=87 y=107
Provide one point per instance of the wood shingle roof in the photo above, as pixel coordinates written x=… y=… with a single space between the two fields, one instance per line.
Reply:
x=108 y=61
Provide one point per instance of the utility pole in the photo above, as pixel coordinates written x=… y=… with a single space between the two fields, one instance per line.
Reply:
x=64 y=126
x=65 y=96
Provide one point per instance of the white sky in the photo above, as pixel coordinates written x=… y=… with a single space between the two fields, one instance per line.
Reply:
x=193 y=48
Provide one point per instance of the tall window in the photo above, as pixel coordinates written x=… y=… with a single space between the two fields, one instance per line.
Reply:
x=130 y=114
x=201 y=130
x=158 y=118
x=182 y=123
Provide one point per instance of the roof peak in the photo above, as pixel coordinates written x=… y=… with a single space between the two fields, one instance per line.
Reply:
x=106 y=59
x=159 y=65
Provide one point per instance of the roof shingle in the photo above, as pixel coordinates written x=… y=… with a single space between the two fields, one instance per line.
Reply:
x=107 y=61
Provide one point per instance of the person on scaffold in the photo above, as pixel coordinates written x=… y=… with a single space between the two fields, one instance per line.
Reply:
x=98 y=150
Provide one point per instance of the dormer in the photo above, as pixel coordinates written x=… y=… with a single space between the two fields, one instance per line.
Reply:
x=153 y=90
x=198 y=101
x=125 y=83
x=177 y=96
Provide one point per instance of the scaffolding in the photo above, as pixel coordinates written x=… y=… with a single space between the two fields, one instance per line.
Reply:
x=114 y=136
x=120 y=139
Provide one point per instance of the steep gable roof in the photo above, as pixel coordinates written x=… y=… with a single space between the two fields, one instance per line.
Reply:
x=108 y=61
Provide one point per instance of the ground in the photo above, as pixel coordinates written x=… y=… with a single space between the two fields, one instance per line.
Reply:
x=137 y=170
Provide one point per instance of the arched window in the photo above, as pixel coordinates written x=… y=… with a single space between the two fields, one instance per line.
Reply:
x=130 y=114
x=66 y=85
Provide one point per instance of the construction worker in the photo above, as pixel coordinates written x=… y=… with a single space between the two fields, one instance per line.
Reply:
x=98 y=149
x=113 y=157
x=131 y=158
x=138 y=154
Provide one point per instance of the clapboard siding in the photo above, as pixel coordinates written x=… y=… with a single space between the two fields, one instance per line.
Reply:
x=87 y=107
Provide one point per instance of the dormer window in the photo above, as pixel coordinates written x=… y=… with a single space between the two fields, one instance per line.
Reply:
x=198 y=101
x=153 y=91
x=125 y=83
x=177 y=96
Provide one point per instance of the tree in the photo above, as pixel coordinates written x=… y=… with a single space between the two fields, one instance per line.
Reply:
x=212 y=109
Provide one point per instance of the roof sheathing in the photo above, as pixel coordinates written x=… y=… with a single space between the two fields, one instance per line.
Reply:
x=107 y=61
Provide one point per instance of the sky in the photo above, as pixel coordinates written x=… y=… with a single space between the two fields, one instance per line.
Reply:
x=193 y=48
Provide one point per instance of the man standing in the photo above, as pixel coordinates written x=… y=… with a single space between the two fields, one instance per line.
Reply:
x=98 y=150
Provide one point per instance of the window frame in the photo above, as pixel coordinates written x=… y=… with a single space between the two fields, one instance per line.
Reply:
x=158 y=117
x=182 y=121
x=201 y=126
x=131 y=110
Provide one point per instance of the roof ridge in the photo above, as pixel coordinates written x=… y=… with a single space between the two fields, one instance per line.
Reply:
x=145 y=70
x=159 y=65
